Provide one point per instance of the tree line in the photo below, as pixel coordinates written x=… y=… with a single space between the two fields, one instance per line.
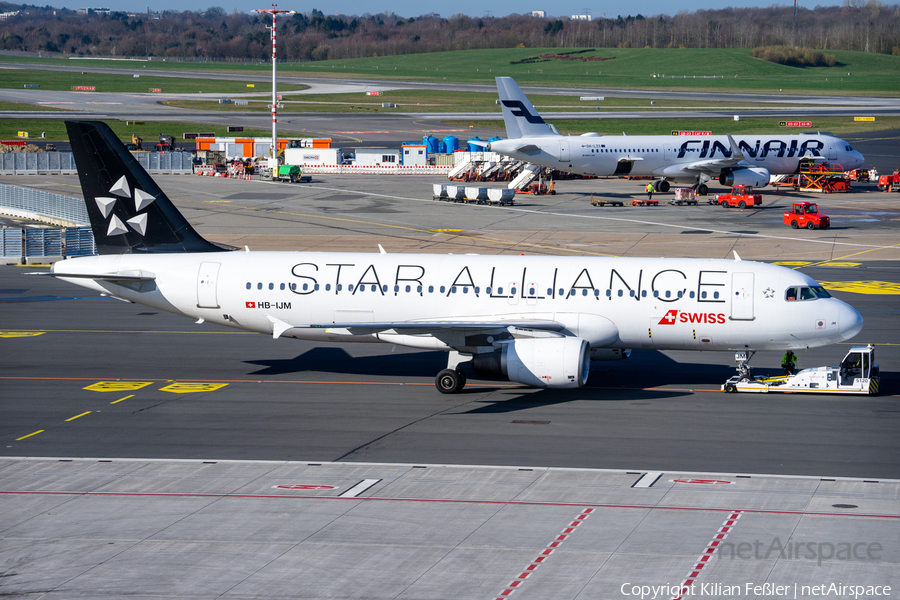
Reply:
x=214 y=34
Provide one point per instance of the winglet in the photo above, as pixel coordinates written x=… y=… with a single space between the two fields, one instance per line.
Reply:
x=736 y=153
x=278 y=326
x=736 y=257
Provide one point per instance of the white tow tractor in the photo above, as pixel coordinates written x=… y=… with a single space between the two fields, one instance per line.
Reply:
x=857 y=374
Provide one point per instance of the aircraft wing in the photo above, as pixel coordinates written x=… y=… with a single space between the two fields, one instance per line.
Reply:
x=125 y=277
x=279 y=327
x=716 y=165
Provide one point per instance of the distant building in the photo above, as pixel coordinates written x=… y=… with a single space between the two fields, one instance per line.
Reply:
x=6 y=15
x=581 y=17
x=93 y=11
x=540 y=14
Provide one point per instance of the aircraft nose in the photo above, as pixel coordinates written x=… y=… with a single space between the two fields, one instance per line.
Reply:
x=850 y=321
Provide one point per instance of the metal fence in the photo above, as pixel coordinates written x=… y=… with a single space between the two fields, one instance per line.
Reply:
x=38 y=203
x=33 y=163
x=45 y=243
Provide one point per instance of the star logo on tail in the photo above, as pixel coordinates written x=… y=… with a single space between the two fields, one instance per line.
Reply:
x=141 y=199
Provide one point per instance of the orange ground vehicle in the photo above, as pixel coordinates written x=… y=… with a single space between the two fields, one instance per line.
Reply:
x=741 y=196
x=806 y=214
x=889 y=183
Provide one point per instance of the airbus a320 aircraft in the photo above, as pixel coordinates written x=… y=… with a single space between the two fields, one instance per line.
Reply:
x=696 y=160
x=539 y=320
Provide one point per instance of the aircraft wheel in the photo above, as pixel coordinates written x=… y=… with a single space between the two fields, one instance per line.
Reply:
x=702 y=189
x=662 y=186
x=795 y=225
x=742 y=204
x=450 y=381
x=810 y=225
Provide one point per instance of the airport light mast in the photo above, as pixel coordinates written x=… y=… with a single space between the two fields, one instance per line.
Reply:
x=273 y=148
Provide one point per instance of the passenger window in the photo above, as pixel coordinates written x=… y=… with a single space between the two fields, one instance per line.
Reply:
x=487 y=291
x=656 y=293
x=703 y=295
x=327 y=287
x=631 y=293
x=305 y=285
x=499 y=291
x=562 y=292
x=271 y=286
x=621 y=293
x=419 y=288
x=396 y=288
x=609 y=293
x=248 y=285
x=350 y=288
x=407 y=289
x=584 y=292
x=453 y=290
x=477 y=290
x=443 y=289
x=315 y=287
x=668 y=294
x=384 y=289
x=531 y=291
x=597 y=293
x=643 y=293
x=715 y=295
x=259 y=286
x=431 y=289
x=339 y=287
x=281 y=287
x=512 y=291
x=549 y=292
x=692 y=295
x=465 y=289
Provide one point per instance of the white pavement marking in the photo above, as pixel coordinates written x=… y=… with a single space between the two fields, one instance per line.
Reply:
x=359 y=488
x=647 y=479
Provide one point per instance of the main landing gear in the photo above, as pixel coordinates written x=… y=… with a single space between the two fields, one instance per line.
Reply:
x=450 y=381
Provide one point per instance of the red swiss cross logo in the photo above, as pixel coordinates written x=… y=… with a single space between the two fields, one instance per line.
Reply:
x=669 y=318
x=249 y=304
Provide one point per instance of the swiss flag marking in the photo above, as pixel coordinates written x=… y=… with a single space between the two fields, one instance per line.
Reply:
x=249 y=304
x=669 y=318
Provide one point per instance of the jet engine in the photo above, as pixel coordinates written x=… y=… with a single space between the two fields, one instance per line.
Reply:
x=599 y=354
x=752 y=176
x=562 y=362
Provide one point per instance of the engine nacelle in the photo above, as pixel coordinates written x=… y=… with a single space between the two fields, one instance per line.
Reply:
x=563 y=362
x=753 y=176
x=609 y=354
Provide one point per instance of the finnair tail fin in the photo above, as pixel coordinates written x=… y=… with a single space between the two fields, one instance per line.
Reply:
x=521 y=119
x=129 y=213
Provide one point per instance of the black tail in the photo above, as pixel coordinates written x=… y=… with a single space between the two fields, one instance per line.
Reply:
x=128 y=211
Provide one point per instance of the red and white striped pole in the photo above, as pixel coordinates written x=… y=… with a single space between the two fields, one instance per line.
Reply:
x=273 y=147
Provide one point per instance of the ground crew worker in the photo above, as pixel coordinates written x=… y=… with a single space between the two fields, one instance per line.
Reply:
x=787 y=362
x=650 y=191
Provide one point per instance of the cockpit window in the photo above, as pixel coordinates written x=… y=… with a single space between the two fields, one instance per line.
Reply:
x=806 y=293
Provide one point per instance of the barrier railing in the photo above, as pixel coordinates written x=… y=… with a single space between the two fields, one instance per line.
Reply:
x=40 y=205
x=33 y=163
x=40 y=244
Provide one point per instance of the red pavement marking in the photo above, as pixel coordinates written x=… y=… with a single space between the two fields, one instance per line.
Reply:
x=711 y=548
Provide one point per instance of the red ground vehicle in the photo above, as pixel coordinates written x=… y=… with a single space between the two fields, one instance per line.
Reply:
x=806 y=214
x=889 y=183
x=858 y=175
x=741 y=196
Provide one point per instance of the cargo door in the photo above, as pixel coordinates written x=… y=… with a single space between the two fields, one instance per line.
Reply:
x=742 y=296
x=207 y=280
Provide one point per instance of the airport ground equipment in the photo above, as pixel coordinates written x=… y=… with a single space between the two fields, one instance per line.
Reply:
x=136 y=144
x=859 y=175
x=822 y=177
x=606 y=201
x=166 y=143
x=857 y=374
x=684 y=196
x=741 y=196
x=291 y=174
x=641 y=202
x=806 y=214
x=889 y=183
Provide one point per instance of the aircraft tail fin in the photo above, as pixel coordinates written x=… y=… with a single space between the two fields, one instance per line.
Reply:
x=521 y=119
x=129 y=213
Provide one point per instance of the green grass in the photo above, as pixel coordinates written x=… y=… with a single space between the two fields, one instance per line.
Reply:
x=54 y=129
x=62 y=80
x=632 y=68
x=428 y=101
x=21 y=106
x=836 y=125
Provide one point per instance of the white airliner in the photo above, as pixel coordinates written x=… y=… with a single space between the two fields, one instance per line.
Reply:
x=540 y=320
x=733 y=160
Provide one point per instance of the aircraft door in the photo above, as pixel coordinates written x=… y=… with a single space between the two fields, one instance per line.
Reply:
x=564 y=151
x=832 y=151
x=207 y=280
x=742 y=296
x=669 y=155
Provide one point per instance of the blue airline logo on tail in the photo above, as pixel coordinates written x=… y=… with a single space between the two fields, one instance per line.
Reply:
x=519 y=110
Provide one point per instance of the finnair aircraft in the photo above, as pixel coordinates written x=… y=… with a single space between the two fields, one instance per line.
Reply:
x=696 y=160
x=539 y=320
